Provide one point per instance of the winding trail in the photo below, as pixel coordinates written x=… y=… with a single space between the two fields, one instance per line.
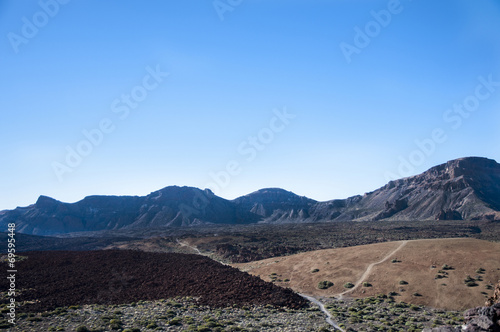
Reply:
x=329 y=316
x=185 y=244
x=369 y=270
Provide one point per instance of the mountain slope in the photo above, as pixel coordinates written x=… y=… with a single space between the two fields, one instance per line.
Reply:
x=466 y=188
x=274 y=204
x=168 y=207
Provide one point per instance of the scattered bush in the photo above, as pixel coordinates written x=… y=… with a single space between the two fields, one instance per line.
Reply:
x=402 y=282
x=446 y=267
x=82 y=328
x=469 y=279
x=325 y=284
x=348 y=285
x=315 y=270
x=367 y=284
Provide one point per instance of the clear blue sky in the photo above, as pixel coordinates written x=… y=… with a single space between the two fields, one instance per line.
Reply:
x=359 y=100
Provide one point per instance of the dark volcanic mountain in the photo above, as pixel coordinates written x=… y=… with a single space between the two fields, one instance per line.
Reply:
x=274 y=204
x=466 y=188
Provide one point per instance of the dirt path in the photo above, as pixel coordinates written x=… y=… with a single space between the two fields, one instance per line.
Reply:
x=329 y=316
x=369 y=270
x=185 y=244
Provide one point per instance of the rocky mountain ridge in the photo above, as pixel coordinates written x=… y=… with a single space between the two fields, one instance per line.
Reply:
x=465 y=188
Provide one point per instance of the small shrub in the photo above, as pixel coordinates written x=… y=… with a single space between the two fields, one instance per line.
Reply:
x=82 y=328
x=468 y=279
x=315 y=270
x=325 y=284
x=367 y=284
x=348 y=285
x=152 y=326
x=471 y=284
x=34 y=319
x=402 y=282
x=446 y=267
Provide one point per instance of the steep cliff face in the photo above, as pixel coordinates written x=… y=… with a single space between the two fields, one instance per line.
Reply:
x=466 y=188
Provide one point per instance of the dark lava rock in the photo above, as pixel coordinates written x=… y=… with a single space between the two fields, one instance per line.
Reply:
x=63 y=278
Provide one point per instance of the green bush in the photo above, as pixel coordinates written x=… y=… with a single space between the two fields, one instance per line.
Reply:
x=469 y=279
x=348 y=285
x=367 y=284
x=325 y=284
x=402 y=282
x=82 y=328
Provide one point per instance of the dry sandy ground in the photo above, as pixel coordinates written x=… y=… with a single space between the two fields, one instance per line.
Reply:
x=419 y=262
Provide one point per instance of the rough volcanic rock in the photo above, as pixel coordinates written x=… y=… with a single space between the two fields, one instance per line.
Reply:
x=496 y=296
x=64 y=278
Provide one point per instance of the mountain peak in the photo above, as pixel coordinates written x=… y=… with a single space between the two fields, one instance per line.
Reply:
x=467 y=166
x=465 y=188
x=45 y=201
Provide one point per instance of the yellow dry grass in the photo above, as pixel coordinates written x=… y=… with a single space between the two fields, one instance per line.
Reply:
x=419 y=264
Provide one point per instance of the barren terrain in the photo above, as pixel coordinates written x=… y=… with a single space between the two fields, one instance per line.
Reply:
x=423 y=272
x=58 y=279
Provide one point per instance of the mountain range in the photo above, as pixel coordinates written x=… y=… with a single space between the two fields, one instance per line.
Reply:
x=461 y=189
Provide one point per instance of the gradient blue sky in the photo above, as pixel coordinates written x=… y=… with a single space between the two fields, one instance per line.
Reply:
x=354 y=121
